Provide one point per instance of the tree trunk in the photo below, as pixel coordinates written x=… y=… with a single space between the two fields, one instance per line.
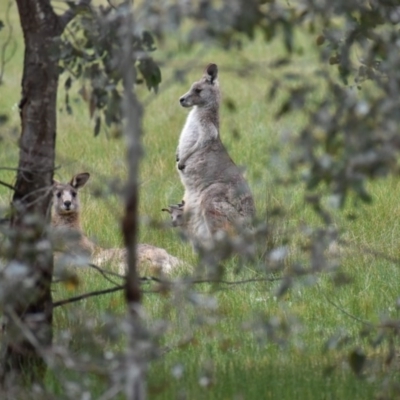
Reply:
x=28 y=318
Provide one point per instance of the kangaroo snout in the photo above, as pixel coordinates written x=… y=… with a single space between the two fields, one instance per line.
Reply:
x=67 y=204
x=185 y=101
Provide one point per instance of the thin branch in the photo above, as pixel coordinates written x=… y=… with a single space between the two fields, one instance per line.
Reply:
x=72 y=12
x=104 y=273
x=31 y=171
x=26 y=332
x=368 y=250
x=342 y=310
x=111 y=393
x=5 y=184
x=133 y=115
x=30 y=203
x=244 y=281
x=161 y=281
x=87 y=295
x=111 y=5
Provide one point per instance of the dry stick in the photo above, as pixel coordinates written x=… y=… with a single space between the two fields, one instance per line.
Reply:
x=87 y=295
x=111 y=393
x=375 y=253
x=363 y=321
x=133 y=113
x=136 y=359
x=104 y=273
x=161 y=281
x=70 y=14
x=23 y=328
x=251 y=280
x=7 y=185
x=36 y=171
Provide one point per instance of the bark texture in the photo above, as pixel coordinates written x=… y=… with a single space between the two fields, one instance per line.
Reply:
x=27 y=331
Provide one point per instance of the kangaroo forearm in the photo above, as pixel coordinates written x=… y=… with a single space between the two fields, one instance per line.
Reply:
x=182 y=160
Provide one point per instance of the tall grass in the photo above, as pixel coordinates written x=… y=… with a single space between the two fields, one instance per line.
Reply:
x=226 y=351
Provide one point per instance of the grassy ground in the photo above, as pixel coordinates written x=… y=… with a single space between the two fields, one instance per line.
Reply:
x=224 y=350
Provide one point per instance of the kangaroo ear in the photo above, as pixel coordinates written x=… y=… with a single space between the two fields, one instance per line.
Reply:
x=211 y=72
x=79 y=180
x=54 y=185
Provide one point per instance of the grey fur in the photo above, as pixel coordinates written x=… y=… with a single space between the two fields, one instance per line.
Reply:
x=68 y=232
x=217 y=197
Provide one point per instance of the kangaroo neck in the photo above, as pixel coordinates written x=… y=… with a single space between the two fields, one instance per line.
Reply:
x=70 y=220
x=208 y=115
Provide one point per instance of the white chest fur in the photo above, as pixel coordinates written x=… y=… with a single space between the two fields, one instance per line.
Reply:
x=191 y=132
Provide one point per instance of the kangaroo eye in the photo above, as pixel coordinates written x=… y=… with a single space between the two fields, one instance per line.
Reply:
x=73 y=194
x=58 y=194
x=198 y=91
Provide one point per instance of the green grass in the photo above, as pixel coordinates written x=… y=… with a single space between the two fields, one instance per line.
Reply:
x=226 y=351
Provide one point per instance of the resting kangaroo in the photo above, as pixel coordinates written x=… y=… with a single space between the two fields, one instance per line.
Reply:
x=217 y=197
x=66 y=221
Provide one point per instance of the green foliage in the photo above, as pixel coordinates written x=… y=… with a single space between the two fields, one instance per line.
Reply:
x=313 y=114
x=90 y=53
x=350 y=135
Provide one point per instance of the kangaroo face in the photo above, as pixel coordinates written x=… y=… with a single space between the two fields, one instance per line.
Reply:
x=65 y=199
x=204 y=92
x=176 y=213
x=65 y=195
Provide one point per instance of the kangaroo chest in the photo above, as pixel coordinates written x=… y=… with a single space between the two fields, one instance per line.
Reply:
x=190 y=134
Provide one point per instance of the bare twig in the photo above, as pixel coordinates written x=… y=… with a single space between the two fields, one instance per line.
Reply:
x=111 y=5
x=7 y=185
x=70 y=14
x=111 y=393
x=133 y=113
x=342 y=310
x=87 y=295
x=105 y=273
x=31 y=171
x=43 y=193
x=136 y=357
x=244 y=281
x=163 y=282
x=368 y=250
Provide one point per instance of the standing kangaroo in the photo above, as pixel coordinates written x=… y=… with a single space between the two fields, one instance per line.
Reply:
x=67 y=226
x=217 y=197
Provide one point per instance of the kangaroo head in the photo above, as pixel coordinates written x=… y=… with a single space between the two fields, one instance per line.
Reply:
x=176 y=213
x=205 y=92
x=65 y=195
